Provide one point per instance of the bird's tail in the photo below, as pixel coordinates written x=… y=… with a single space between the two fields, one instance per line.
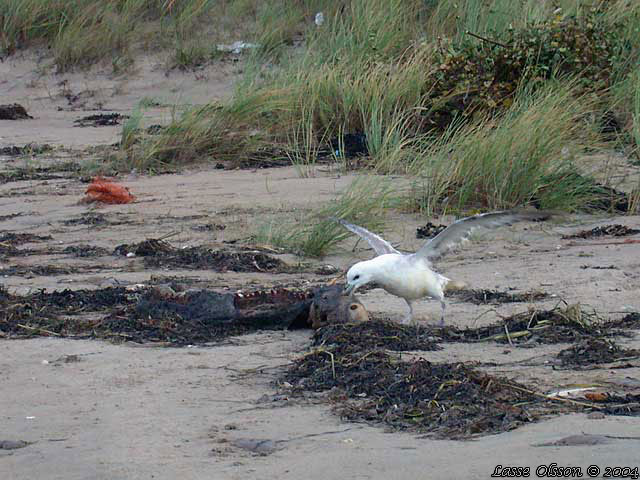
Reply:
x=453 y=286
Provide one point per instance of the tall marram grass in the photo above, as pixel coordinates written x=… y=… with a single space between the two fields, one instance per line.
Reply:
x=367 y=69
x=525 y=156
x=348 y=79
x=82 y=32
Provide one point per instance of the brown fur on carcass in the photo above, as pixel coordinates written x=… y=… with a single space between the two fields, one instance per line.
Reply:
x=330 y=306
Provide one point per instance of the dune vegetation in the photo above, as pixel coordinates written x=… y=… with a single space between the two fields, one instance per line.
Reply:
x=477 y=104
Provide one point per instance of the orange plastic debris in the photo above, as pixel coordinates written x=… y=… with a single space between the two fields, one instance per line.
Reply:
x=104 y=191
x=597 y=396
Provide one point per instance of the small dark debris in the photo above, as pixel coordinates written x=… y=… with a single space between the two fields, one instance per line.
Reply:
x=28 y=149
x=100 y=120
x=177 y=283
x=350 y=145
x=9 y=217
x=67 y=359
x=596 y=416
x=259 y=446
x=14 y=239
x=183 y=218
x=52 y=172
x=626 y=404
x=13 y=112
x=13 y=444
x=155 y=129
x=158 y=253
x=577 y=440
x=11 y=151
x=599 y=267
x=8 y=250
x=146 y=248
x=430 y=230
x=265 y=157
x=609 y=124
x=631 y=321
x=614 y=230
x=84 y=251
x=609 y=199
x=495 y=297
x=89 y=218
x=326 y=270
x=209 y=227
x=29 y=271
x=591 y=351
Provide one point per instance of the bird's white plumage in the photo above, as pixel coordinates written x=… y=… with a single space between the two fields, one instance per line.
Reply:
x=410 y=276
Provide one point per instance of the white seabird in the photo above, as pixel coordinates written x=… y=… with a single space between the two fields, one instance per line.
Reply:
x=410 y=276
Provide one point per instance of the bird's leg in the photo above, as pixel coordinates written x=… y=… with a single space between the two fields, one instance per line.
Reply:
x=443 y=306
x=410 y=319
x=409 y=316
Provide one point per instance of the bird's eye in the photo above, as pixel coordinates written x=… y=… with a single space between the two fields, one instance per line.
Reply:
x=356 y=277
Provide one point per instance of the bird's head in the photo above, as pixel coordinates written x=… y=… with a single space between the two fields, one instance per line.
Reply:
x=360 y=274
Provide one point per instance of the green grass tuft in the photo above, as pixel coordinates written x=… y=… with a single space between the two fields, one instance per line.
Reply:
x=314 y=235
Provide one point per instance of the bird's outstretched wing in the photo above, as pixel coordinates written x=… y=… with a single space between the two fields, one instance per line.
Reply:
x=461 y=230
x=379 y=244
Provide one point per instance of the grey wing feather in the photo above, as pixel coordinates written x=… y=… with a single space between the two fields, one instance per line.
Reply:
x=461 y=230
x=379 y=244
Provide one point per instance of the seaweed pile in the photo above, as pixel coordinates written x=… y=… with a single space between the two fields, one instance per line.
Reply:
x=370 y=384
x=100 y=120
x=615 y=230
x=50 y=172
x=85 y=251
x=494 y=297
x=385 y=334
x=159 y=253
x=630 y=320
x=89 y=218
x=429 y=230
x=14 y=239
x=9 y=241
x=14 y=111
x=357 y=368
x=592 y=351
x=627 y=404
x=558 y=325
x=29 y=271
x=52 y=313
x=29 y=148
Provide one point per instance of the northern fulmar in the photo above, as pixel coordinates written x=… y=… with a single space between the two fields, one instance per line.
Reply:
x=410 y=275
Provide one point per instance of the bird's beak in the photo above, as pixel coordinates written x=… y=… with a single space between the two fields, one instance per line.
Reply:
x=348 y=289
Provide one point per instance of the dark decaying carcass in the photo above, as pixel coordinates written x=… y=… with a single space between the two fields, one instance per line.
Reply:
x=330 y=306
x=274 y=308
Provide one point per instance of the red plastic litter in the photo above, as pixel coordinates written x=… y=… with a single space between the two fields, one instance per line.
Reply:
x=104 y=191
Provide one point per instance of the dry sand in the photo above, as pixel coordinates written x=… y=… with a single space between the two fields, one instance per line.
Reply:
x=125 y=411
